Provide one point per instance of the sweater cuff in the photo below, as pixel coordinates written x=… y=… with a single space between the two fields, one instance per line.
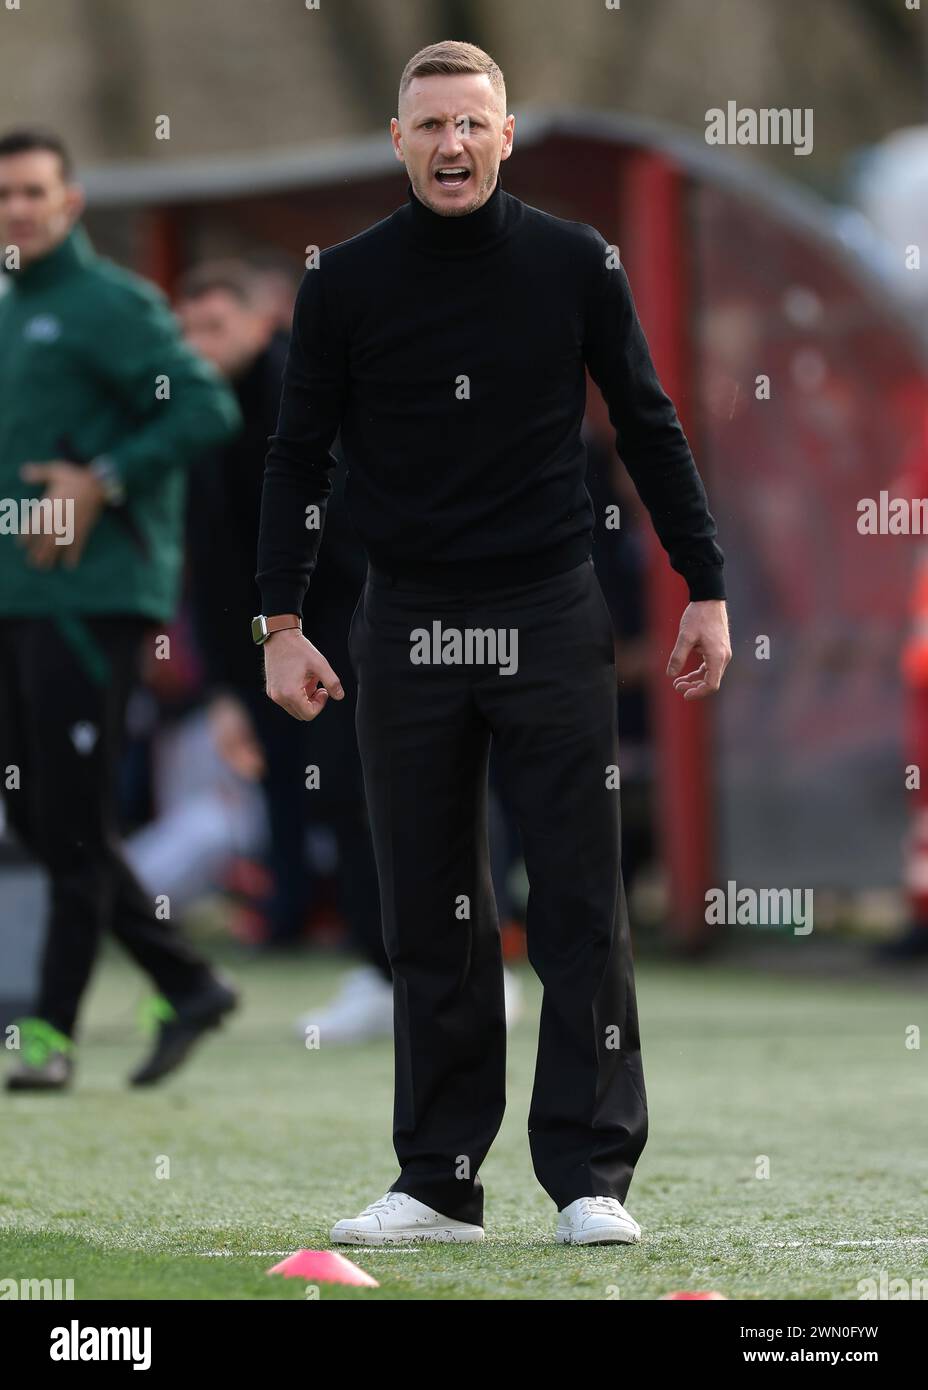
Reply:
x=707 y=582
x=280 y=597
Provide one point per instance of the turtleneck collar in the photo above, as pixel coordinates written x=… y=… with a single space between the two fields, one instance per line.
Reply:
x=74 y=252
x=460 y=236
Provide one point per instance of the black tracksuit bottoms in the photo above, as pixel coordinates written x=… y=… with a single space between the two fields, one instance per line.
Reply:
x=64 y=686
x=424 y=733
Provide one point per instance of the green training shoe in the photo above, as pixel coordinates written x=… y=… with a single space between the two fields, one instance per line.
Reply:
x=179 y=1026
x=45 y=1061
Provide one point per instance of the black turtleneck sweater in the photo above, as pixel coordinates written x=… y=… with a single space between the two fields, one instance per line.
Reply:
x=450 y=351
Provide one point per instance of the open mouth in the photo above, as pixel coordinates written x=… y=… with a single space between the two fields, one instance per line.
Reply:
x=452 y=176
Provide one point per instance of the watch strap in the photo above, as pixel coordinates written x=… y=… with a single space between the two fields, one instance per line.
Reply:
x=282 y=621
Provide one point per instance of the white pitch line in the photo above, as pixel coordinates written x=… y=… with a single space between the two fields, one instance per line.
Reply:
x=264 y=1254
x=410 y=1249
x=240 y=1254
x=831 y=1244
x=417 y=1249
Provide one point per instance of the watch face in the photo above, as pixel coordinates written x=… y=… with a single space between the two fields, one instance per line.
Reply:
x=259 y=630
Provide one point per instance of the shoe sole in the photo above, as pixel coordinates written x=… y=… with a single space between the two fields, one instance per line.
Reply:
x=595 y=1237
x=445 y=1234
x=14 y=1085
x=200 y=1027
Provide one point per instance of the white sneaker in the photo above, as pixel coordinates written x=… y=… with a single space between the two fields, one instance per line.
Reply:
x=399 y=1217
x=513 y=992
x=361 y=1010
x=596 y=1221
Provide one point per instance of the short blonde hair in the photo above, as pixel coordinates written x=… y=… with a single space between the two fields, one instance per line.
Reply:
x=450 y=57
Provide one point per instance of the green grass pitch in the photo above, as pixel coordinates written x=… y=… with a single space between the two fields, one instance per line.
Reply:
x=270 y=1143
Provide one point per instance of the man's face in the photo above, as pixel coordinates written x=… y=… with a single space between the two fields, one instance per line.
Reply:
x=447 y=123
x=225 y=331
x=37 y=206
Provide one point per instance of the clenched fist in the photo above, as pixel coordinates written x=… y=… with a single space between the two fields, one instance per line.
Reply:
x=297 y=675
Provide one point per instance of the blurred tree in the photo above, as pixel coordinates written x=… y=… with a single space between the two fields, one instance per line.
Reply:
x=123 y=123
x=360 y=46
x=891 y=16
x=461 y=19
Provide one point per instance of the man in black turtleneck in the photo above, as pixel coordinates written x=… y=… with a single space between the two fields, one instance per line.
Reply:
x=449 y=343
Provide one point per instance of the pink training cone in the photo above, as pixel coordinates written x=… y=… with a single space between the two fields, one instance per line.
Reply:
x=325 y=1266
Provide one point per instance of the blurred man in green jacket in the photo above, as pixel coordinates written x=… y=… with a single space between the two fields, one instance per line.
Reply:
x=102 y=408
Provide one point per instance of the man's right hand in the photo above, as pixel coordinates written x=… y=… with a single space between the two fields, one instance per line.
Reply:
x=293 y=669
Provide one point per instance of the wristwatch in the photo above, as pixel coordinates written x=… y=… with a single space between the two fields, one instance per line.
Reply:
x=262 y=627
x=107 y=474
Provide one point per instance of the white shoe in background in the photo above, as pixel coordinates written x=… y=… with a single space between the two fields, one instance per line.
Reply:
x=513 y=991
x=361 y=1010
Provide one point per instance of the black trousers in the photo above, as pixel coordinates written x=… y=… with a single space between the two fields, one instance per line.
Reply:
x=64 y=685
x=424 y=733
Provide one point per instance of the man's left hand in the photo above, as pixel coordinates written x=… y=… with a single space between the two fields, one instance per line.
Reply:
x=66 y=481
x=704 y=631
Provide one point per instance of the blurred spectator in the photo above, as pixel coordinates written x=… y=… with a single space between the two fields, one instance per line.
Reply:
x=101 y=408
x=275 y=279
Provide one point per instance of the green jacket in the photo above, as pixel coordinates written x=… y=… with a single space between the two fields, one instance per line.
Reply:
x=87 y=351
